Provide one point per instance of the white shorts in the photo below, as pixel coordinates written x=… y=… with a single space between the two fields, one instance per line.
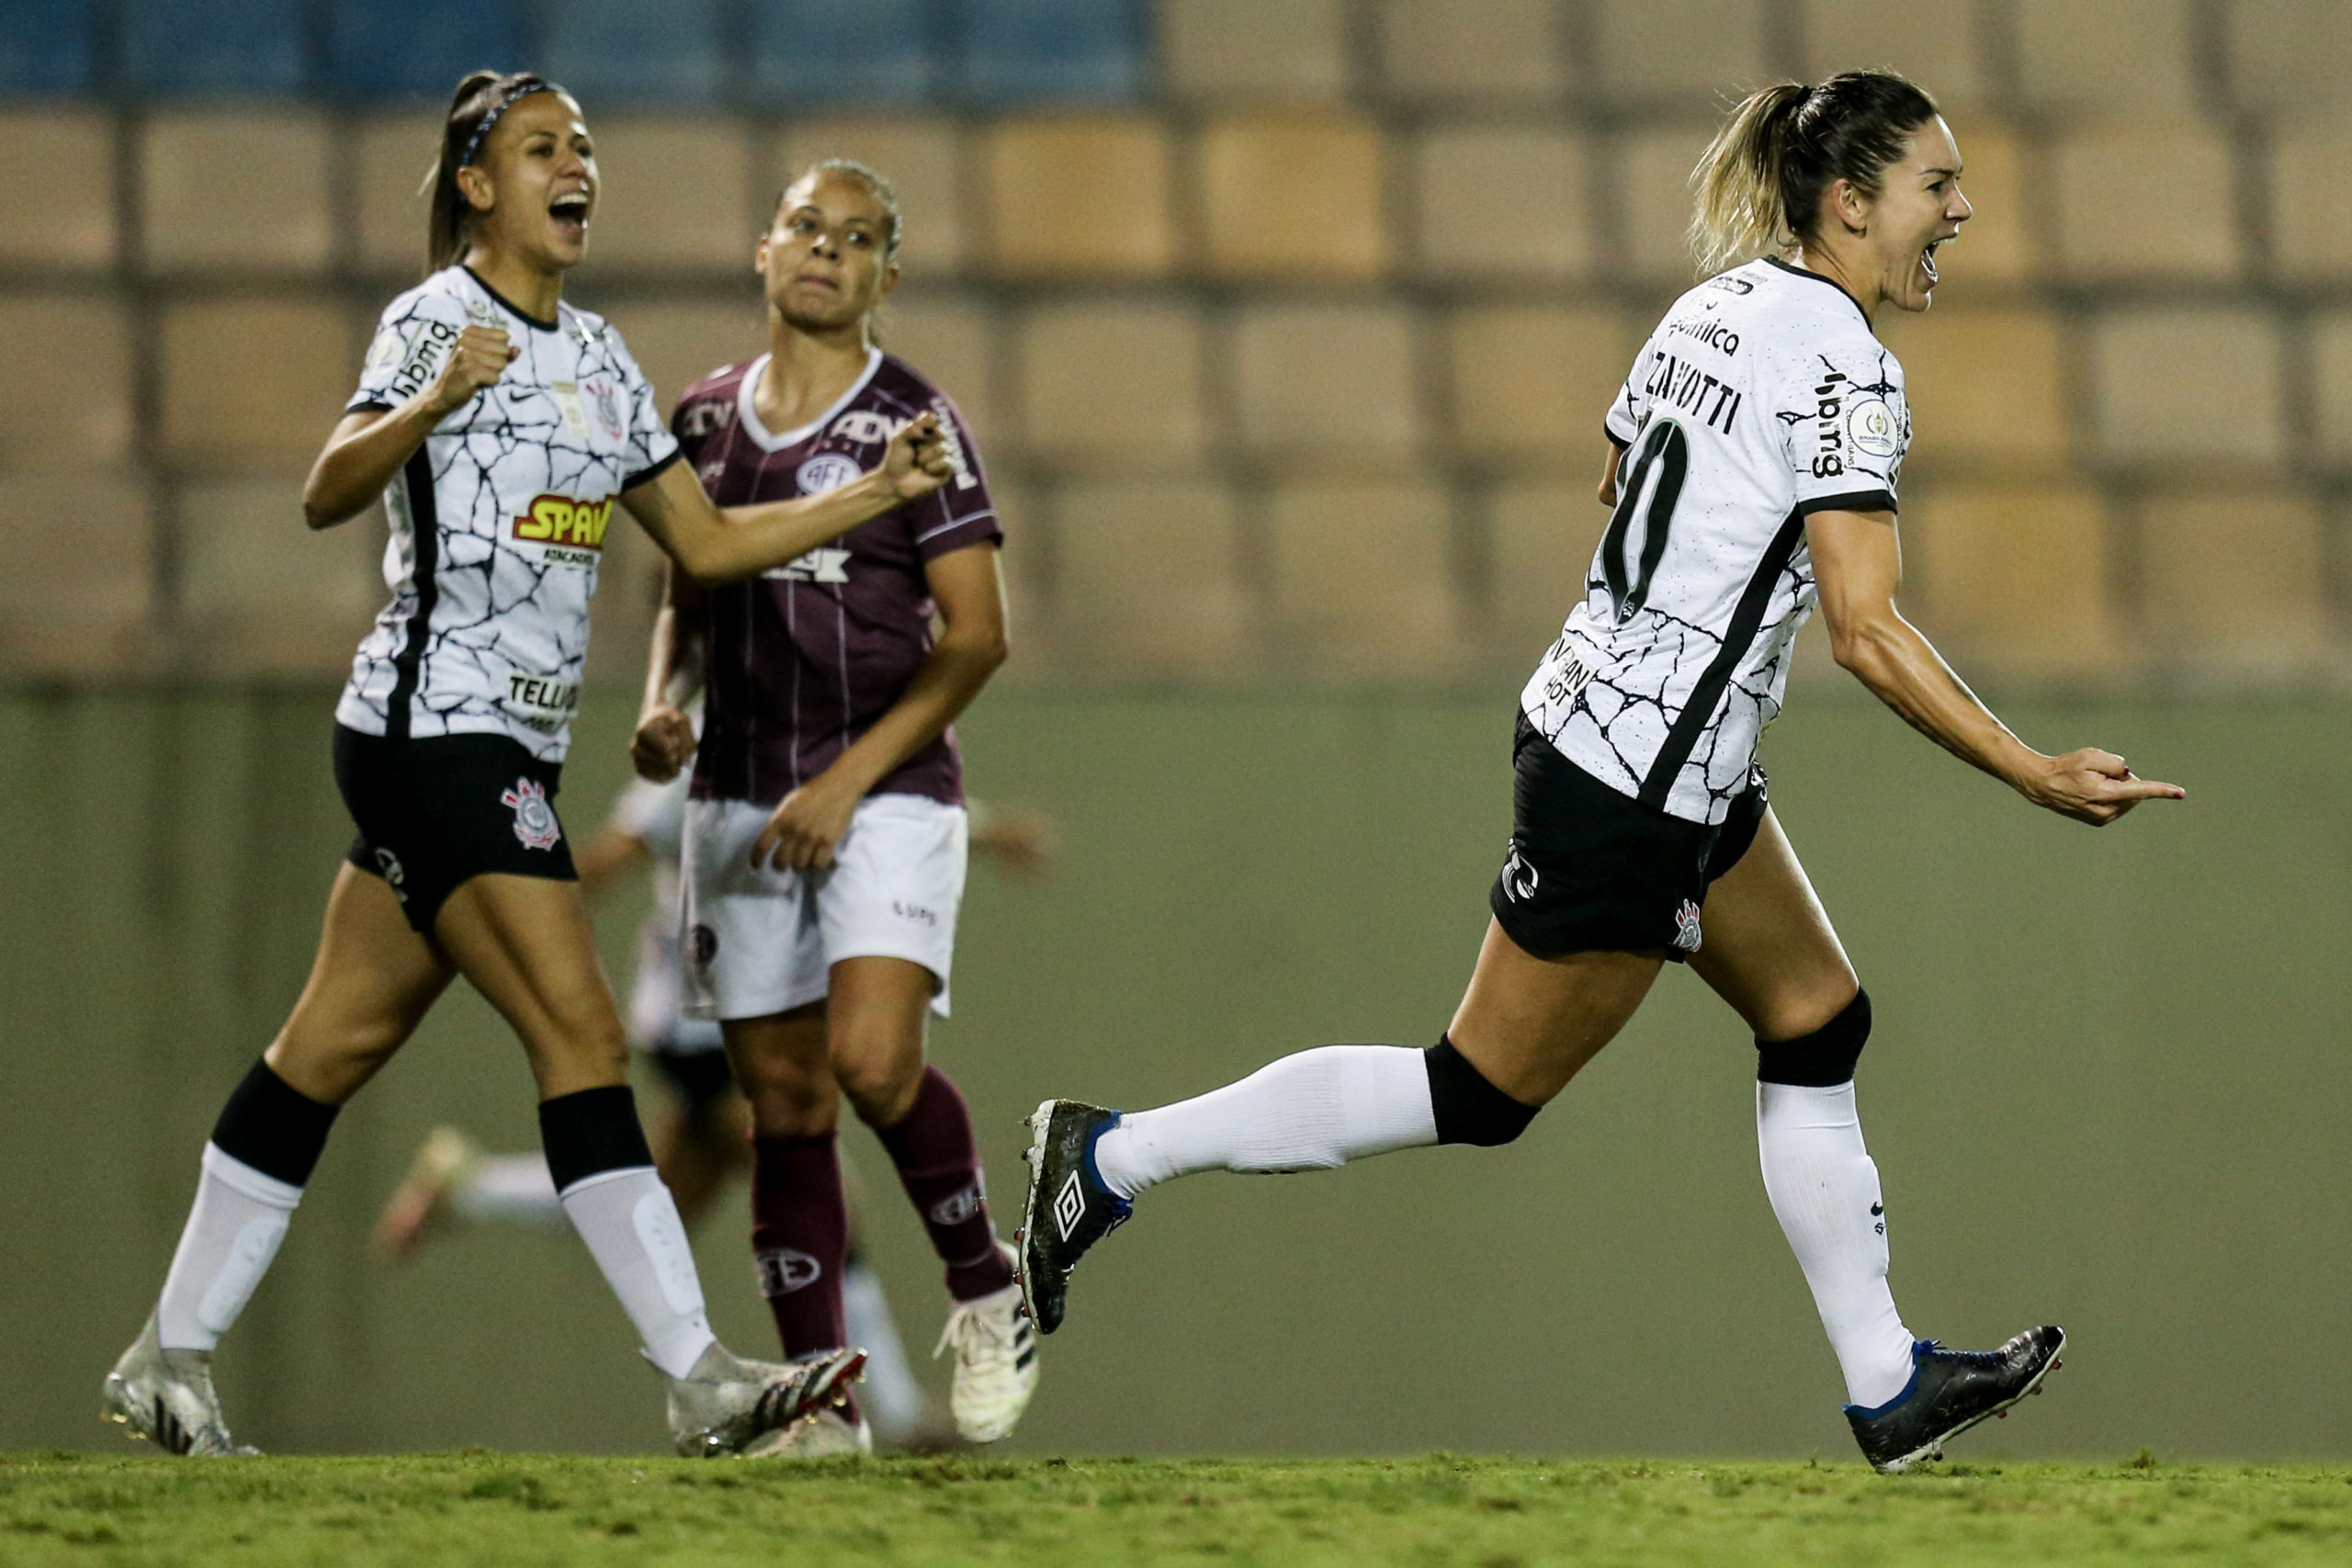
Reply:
x=762 y=941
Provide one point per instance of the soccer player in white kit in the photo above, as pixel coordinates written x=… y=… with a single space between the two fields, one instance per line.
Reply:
x=1752 y=470
x=500 y=425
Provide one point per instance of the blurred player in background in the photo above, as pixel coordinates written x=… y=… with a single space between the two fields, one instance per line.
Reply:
x=498 y=425
x=1752 y=466
x=825 y=838
x=702 y=1142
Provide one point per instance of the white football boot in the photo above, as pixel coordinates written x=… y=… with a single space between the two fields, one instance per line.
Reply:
x=727 y=1403
x=167 y=1395
x=837 y=1429
x=996 y=1363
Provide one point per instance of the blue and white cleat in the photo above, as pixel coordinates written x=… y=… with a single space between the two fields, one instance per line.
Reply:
x=1952 y=1390
x=1069 y=1209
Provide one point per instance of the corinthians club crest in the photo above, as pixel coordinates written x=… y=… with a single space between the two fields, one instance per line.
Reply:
x=535 y=821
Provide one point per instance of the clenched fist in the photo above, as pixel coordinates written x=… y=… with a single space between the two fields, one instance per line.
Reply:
x=917 y=462
x=480 y=357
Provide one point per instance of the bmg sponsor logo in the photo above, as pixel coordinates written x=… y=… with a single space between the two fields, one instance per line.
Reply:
x=570 y=532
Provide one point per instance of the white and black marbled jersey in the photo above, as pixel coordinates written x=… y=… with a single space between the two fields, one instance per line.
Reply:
x=1761 y=398
x=498 y=521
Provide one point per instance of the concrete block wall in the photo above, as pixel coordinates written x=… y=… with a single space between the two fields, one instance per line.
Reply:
x=1292 y=367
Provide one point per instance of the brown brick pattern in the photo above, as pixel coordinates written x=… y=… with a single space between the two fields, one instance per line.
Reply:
x=1292 y=371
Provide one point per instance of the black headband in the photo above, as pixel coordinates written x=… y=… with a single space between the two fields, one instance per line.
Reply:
x=482 y=131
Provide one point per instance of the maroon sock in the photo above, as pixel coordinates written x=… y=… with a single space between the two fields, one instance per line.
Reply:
x=939 y=1165
x=799 y=1236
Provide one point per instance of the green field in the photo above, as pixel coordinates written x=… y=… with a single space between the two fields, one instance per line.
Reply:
x=1495 y=1512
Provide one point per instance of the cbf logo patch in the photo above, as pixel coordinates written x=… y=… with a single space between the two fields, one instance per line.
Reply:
x=535 y=821
x=1686 y=927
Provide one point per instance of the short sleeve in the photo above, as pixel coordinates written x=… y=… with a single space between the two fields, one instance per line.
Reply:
x=651 y=448
x=1620 y=424
x=1844 y=424
x=412 y=342
x=959 y=512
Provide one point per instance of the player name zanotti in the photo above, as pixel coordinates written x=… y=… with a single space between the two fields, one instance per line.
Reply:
x=573 y=531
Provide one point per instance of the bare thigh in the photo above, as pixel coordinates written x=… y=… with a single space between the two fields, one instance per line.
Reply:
x=783 y=1066
x=525 y=944
x=371 y=983
x=864 y=1041
x=1530 y=1024
x=1769 y=950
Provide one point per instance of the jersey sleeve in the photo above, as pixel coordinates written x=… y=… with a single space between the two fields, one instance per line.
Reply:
x=651 y=448
x=412 y=342
x=1844 y=424
x=959 y=512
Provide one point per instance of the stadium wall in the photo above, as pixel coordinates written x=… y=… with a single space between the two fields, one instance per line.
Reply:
x=2107 y=1090
x=1286 y=323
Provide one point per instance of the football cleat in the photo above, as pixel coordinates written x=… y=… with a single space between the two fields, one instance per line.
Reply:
x=1069 y=1209
x=836 y=1429
x=421 y=1203
x=1949 y=1392
x=726 y=1402
x=996 y=1363
x=166 y=1396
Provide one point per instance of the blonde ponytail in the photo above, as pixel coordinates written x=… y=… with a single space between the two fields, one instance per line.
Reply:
x=1758 y=188
x=1738 y=214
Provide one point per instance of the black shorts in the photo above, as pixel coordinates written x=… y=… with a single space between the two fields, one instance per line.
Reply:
x=434 y=813
x=1591 y=870
x=700 y=1078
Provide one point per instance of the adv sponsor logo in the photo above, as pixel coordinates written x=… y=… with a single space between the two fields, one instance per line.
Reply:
x=569 y=532
x=863 y=427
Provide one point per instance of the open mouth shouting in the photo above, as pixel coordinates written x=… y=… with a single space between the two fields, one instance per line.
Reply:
x=570 y=210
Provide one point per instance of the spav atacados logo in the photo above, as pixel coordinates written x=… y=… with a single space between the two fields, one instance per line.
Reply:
x=560 y=520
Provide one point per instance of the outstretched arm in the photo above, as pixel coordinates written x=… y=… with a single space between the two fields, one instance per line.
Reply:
x=969 y=592
x=1857 y=565
x=715 y=548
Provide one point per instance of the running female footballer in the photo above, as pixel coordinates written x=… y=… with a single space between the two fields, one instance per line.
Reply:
x=826 y=837
x=1752 y=468
x=500 y=425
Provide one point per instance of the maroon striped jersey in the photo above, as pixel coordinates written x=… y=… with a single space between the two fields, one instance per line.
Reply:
x=806 y=657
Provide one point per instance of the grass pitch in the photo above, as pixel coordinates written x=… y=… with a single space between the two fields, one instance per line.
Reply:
x=521 y=1511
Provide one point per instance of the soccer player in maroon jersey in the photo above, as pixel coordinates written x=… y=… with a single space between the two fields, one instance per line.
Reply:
x=826 y=837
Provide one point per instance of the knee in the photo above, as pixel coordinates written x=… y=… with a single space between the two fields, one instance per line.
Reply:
x=879 y=1080
x=1823 y=1058
x=1466 y=1107
x=789 y=1097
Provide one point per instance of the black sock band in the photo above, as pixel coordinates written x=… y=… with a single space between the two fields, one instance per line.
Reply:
x=273 y=1127
x=1823 y=1059
x=1467 y=1108
x=591 y=1133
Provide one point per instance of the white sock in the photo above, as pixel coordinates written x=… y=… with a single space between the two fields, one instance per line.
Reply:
x=510 y=1187
x=631 y=1224
x=1824 y=1191
x=1315 y=1110
x=233 y=1228
x=890 y=1396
